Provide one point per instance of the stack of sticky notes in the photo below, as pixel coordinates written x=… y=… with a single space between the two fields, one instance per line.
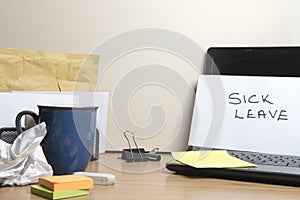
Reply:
x=64 y=186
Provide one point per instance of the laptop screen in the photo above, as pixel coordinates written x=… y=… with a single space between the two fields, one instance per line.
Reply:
x=253 y=61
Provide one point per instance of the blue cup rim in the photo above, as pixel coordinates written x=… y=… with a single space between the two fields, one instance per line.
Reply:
x=50 y=107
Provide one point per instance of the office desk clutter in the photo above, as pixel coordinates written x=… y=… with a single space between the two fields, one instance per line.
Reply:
x=63 y=186
x=8 y=134
x=69 y=126
x=47 y=71
x=49 y=194
x=69 y=142
x=99 y=178
x=23 y=161
x=259 y=139
x=210 y=159
x=138 y=154
x=14 y=102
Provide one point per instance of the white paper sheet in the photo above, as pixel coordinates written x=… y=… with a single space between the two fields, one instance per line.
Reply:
x=247 y=113
x=23 y=162
x=12 y=103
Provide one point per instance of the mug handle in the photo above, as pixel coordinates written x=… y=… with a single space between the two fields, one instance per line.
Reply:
x=19 y=117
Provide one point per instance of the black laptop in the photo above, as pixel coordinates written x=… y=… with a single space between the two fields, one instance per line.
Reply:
x=251 y=61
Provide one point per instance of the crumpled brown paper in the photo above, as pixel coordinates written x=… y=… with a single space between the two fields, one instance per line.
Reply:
x=47 y=71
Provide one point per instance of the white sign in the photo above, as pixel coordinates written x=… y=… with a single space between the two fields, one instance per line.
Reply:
x=247 y=113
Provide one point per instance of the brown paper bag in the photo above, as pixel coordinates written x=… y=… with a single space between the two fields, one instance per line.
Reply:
x=47 y=71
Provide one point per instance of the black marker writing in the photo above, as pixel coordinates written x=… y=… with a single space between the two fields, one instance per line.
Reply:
x=265 y=99
x=237 y=99
x=261 y=114
x=236 y=115
x=250 y=99
x=250 y=114
x=231 y=97
x=282 y=116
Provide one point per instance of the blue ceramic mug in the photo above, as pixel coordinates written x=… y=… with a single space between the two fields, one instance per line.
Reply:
x=69 y=141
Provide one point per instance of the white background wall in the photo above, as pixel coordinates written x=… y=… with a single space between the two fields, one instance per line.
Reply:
x=78 y=26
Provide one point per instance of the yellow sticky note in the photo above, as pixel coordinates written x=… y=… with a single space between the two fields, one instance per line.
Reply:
x=210 y=159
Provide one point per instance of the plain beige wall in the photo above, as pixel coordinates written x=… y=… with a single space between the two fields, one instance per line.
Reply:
x=79 y=26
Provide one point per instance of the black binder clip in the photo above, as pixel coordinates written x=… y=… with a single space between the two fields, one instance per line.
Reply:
x=152 y=156
x=138 y=154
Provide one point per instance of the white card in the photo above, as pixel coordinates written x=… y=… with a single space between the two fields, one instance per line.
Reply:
x=247 y=113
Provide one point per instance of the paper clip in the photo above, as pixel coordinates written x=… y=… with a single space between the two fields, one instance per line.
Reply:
x=133 y=155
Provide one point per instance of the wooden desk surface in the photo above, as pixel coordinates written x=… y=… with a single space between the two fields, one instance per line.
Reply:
x=156 y=182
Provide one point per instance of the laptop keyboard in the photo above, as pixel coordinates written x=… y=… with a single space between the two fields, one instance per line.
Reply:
x=267 y=159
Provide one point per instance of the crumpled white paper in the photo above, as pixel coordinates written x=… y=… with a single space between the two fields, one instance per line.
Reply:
x=23 y=162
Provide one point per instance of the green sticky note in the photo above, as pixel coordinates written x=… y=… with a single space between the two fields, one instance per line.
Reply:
x=210 y=159
x=49 y=194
